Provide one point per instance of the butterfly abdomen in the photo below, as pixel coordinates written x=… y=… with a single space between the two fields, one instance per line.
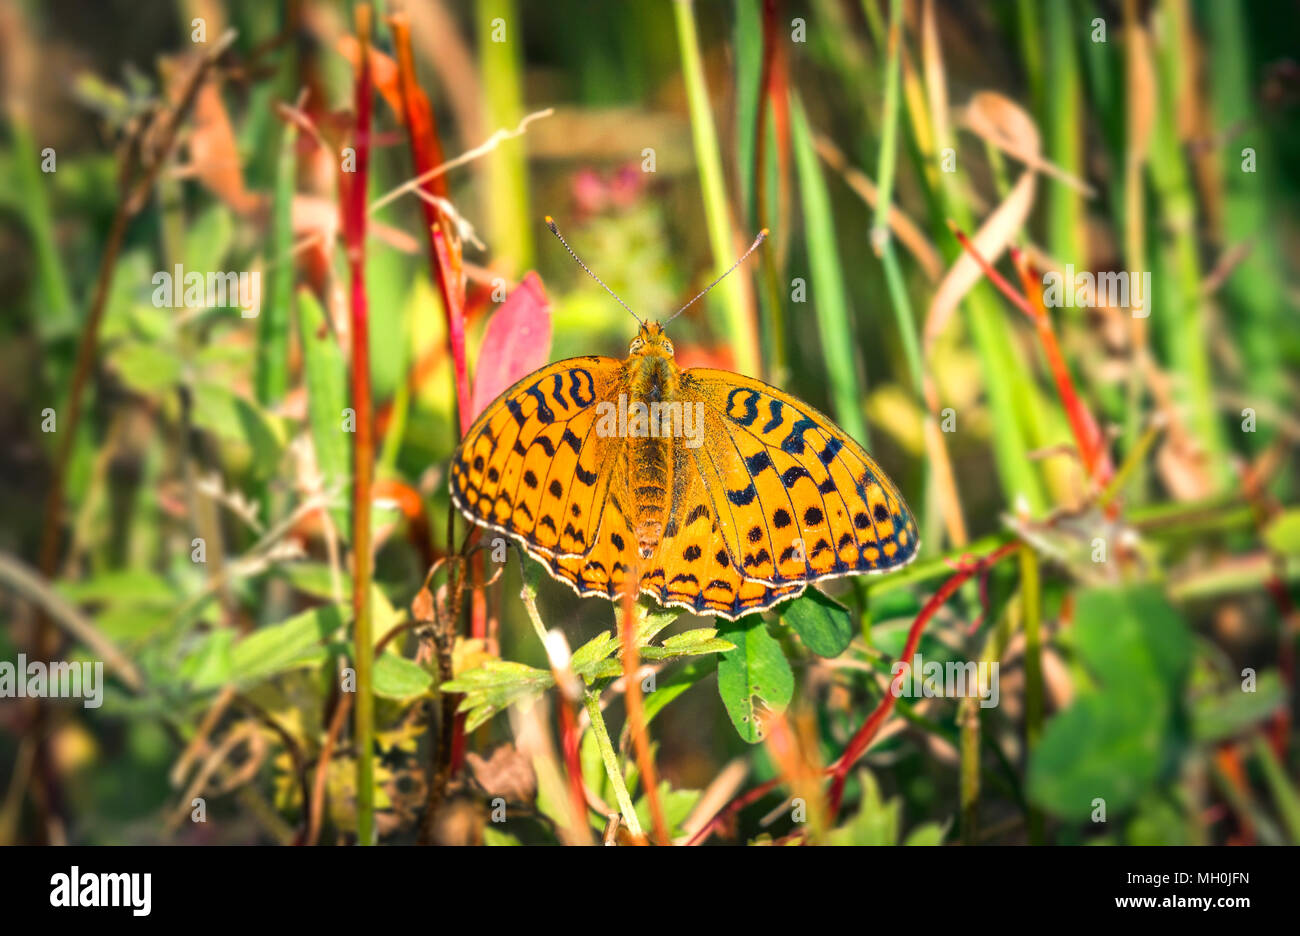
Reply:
x=650 y=479
x=654 y=384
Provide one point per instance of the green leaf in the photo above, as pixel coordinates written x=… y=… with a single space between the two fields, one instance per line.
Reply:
x=396 y=677
x=298 y=641
x=688 y=643
x=324 y=374
x=315 y=579
x=495 y=686
x=1283 y=534
x=753 y=677
x=211 y=665
x=120 y=585
x=877 y=822
x=1132 y=634
x=586 y=659
x=234 y=418
x=677 y=805
x=676 y=681
x=822 y=624
x=654 y=619
x=207 y=242
x=1100 y=747
x=931 y=833
x=1117 y=737
x=1215 y=717
x=148 y=369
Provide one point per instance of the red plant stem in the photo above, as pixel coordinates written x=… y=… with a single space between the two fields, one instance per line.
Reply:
x=1087 y=435
x=454 y=296
x=353 y=190
x=569 y=744
x=862 y=739
x=735 y=806
x=1092 y=448
x=632 y=704
x=426 y=153
x=448 y=273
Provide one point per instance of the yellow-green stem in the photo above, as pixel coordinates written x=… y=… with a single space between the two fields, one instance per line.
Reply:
x=612 y=768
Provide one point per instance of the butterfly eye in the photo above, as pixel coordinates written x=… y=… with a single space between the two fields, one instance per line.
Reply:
x=635 y=346
x=668 y=346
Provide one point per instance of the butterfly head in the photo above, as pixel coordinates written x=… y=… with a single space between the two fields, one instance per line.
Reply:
x=651 y=339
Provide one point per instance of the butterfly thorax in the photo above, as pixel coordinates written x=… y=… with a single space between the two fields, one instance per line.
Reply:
x=653 y=380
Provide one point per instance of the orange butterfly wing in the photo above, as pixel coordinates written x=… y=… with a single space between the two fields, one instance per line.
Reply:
x=531 y=465
x=790 y=499
x=776 y=497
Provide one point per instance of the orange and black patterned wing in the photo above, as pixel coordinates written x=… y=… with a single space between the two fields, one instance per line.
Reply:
x=533 y=466
x=793 y=498
x=698 y=563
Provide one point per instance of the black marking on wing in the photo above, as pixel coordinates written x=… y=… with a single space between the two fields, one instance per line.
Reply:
x=575 y=387
x=793 y=443
x=750 y=406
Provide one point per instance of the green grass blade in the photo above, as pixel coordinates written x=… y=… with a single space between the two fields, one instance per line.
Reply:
x=727 y=300
x=830 y=298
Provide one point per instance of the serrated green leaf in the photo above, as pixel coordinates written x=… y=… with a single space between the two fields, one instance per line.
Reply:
x=587 y=658
x=824 y=625
x=212 y=664
x=653 y=620
x=752 y=677
x=688 y=643
x=494 y=687
x=315 y=579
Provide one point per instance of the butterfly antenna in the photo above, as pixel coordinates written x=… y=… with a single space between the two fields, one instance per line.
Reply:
x=550 y=223
x=762 y=235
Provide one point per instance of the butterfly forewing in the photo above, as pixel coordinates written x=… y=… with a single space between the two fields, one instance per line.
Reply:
x=531 y=463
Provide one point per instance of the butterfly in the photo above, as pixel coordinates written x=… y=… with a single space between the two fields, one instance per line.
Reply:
x=710 y=490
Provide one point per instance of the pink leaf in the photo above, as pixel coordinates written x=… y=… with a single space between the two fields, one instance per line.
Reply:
x=516 y=343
